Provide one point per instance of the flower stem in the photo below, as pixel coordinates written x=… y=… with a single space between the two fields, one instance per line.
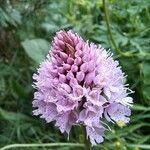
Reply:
x=41 y=145
x=108 y=26
x=106 y=13
x=86 y=140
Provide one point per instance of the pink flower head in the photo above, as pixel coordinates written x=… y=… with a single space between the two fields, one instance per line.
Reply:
x=80 y=83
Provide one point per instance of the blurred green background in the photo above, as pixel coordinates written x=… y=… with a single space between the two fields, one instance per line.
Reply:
x=26 y=31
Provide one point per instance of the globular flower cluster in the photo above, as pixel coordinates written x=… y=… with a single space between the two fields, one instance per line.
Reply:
x=79 y=83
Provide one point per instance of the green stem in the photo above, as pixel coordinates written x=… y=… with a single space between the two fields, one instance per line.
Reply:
x=127 y=54
x=42 y=145
x=86 y=141
x=108 y=26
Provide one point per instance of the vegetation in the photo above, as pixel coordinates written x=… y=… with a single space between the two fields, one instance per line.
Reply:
x=26 y=30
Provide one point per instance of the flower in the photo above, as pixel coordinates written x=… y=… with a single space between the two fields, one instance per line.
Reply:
x=79 y=83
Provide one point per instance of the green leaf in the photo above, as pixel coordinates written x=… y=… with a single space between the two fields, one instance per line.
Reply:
x=16 y=16
x=146 y=81
x=140 y=108
x=142 y=146
x=146 y=72
x=36 y=49
x=146 y=92
x=19 y=90
x=12 y=116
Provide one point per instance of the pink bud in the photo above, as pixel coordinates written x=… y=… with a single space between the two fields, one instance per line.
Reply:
x=63 y=55
x=54 y=72
x=62 y=78
x=61 y=70
x=80 y=76
x=78 y=91
x=78 y=61
x=78 y=53
x=60 y=37
x=66 y=66
x=74 y=68
x=69 y=75
x=91 y=65
x=70 y=60
x=73 y=82
x=89 y=77
x=61 y=44
x=84 y=67
x=66 y=87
